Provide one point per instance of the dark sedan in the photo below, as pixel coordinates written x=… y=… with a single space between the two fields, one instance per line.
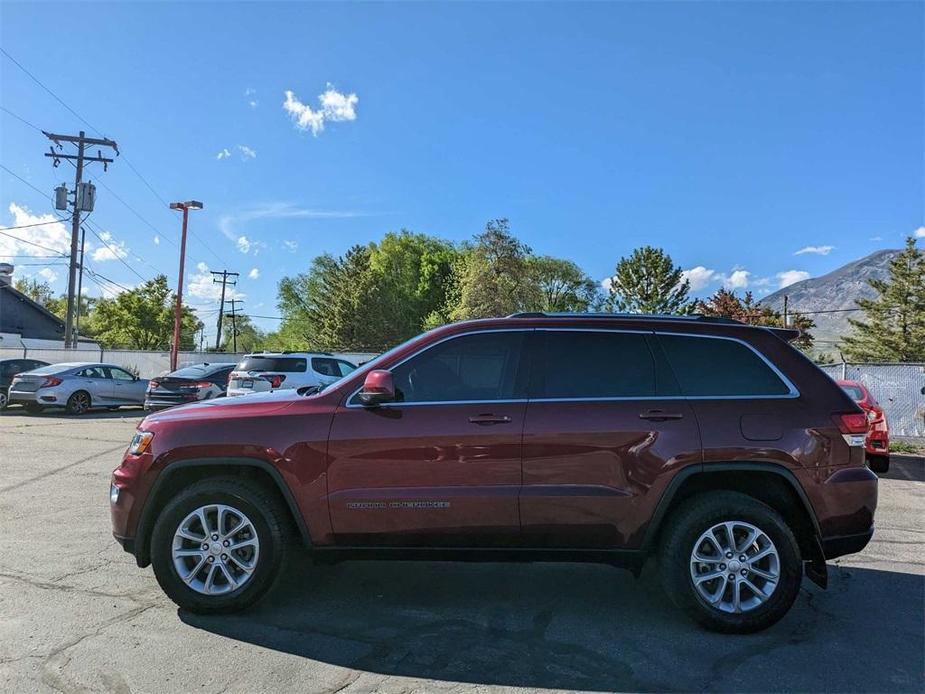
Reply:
x=189 y=384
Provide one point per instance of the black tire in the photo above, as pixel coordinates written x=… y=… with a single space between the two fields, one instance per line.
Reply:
x=878 y=463
x=79 y=403
x=4 y=398
x=261 y=507
x=686 y=525
x=33 y=408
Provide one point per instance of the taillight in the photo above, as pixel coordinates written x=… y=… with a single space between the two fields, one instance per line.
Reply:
x=851 y=422
x=153 y=384
x=50 y=381
x=202 y=384
x=275 y=380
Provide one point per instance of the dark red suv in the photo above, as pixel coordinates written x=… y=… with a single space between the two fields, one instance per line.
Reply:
x=714 y=446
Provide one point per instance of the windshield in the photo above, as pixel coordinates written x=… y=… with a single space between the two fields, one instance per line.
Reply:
x=194 y=371
x=51 y=369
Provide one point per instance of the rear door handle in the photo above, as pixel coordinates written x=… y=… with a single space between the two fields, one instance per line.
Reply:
x=485 y=419
x=659 y=415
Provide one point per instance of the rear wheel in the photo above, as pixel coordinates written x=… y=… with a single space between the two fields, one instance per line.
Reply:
x=731 y=562
x=218 y=546
x=4 y=399
x=78 y=403
x=878 y=463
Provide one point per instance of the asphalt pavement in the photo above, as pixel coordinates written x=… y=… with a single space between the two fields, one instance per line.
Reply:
x=76 y=614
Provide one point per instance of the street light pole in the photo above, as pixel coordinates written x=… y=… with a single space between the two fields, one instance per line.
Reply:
x=178 y=312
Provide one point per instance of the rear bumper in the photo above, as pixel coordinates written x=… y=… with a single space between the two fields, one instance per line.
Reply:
x=839 y=546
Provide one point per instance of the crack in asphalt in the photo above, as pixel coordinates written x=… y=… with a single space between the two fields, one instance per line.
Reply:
x=49 y=473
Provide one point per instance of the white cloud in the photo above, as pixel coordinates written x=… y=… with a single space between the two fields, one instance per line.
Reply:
x=110 y=250
x=737 y=280
x=247 y=152
x=231 y=224
x=817 y=250
x=201 y=286
x=699 y=277
x=51 y=235
x=254 y=273
x=244 y=244
x=48 y=274
x=607 y=283
x=223 y=154
x=334 y=107
x=876 y=238
x=919 y=233
x=291 y=246
x=789 y=277
x=157 y=240
x=251 y=95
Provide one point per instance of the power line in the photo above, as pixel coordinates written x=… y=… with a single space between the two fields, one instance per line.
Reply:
x=20 y=118
x=23 y=180
x=118 y=254
x=37 y=245
x=37 y=224
x=56 y=97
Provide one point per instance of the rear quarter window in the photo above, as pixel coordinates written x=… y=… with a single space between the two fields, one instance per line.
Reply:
x=718 y=367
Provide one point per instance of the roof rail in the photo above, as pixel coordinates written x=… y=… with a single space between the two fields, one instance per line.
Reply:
x=632 y=316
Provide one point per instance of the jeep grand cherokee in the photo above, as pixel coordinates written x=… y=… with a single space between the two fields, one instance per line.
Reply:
x=713 y=446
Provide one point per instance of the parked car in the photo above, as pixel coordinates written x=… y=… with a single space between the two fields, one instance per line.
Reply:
x=189 y=384
x=77 y=387
x=877 y=441
x=715 y=446
x=268 y=371
x=11 y=367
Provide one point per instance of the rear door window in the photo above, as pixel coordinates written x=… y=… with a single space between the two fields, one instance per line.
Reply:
x=718 y=367
x=594 y=364
x=285 y=364
x=92 y=372
x=325 y=366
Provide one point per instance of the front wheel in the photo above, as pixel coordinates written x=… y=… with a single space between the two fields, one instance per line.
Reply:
x=218 y=546
x=731 y=562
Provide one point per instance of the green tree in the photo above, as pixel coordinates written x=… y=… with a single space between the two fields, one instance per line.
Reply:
x=726 y=304
x=494 y=276
x=647 y=281
x=561 y=285
x=142 y=318
x=40 y=292
x=894 y=329
x=250 y=338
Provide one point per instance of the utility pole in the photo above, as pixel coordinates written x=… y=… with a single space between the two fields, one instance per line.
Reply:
x=786 y=311
x=224 y=274
x=233 y=315
x=83 y=202
x=178 y=312
x=80 y=284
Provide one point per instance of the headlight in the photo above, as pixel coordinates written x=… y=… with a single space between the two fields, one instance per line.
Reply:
x=140 y=442
x=113 y=494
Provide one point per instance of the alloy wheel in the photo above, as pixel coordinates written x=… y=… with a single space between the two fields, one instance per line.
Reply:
x=215 y=549
x=735 y=567
x=79 y=402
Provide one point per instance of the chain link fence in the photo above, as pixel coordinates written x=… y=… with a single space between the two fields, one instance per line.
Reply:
x=898 y=389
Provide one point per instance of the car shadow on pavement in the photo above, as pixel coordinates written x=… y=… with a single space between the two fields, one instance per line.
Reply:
x=580 y=627
x=905 y=467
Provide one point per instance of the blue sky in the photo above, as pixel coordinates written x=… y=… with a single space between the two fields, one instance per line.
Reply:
x=734 y=135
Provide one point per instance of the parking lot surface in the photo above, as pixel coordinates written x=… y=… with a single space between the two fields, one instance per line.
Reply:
x=76 y=614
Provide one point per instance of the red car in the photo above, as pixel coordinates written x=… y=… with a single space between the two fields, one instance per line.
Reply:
x=714 y=446
x=877 y=441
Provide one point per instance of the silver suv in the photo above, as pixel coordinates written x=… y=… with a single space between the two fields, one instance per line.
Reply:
x=263 y=372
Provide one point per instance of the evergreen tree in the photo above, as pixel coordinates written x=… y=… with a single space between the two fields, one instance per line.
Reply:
x=894 y=329
x=647 y=281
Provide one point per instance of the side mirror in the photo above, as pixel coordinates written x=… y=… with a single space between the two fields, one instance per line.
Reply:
x=377 y=388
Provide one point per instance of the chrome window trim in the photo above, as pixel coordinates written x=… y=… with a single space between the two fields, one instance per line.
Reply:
x=793 y=391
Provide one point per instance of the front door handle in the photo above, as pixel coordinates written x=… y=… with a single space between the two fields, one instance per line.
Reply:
x=485 y=419
x=659 y=415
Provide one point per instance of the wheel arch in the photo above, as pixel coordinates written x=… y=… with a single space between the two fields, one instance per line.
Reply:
x=184 y=472
x=770 y=483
